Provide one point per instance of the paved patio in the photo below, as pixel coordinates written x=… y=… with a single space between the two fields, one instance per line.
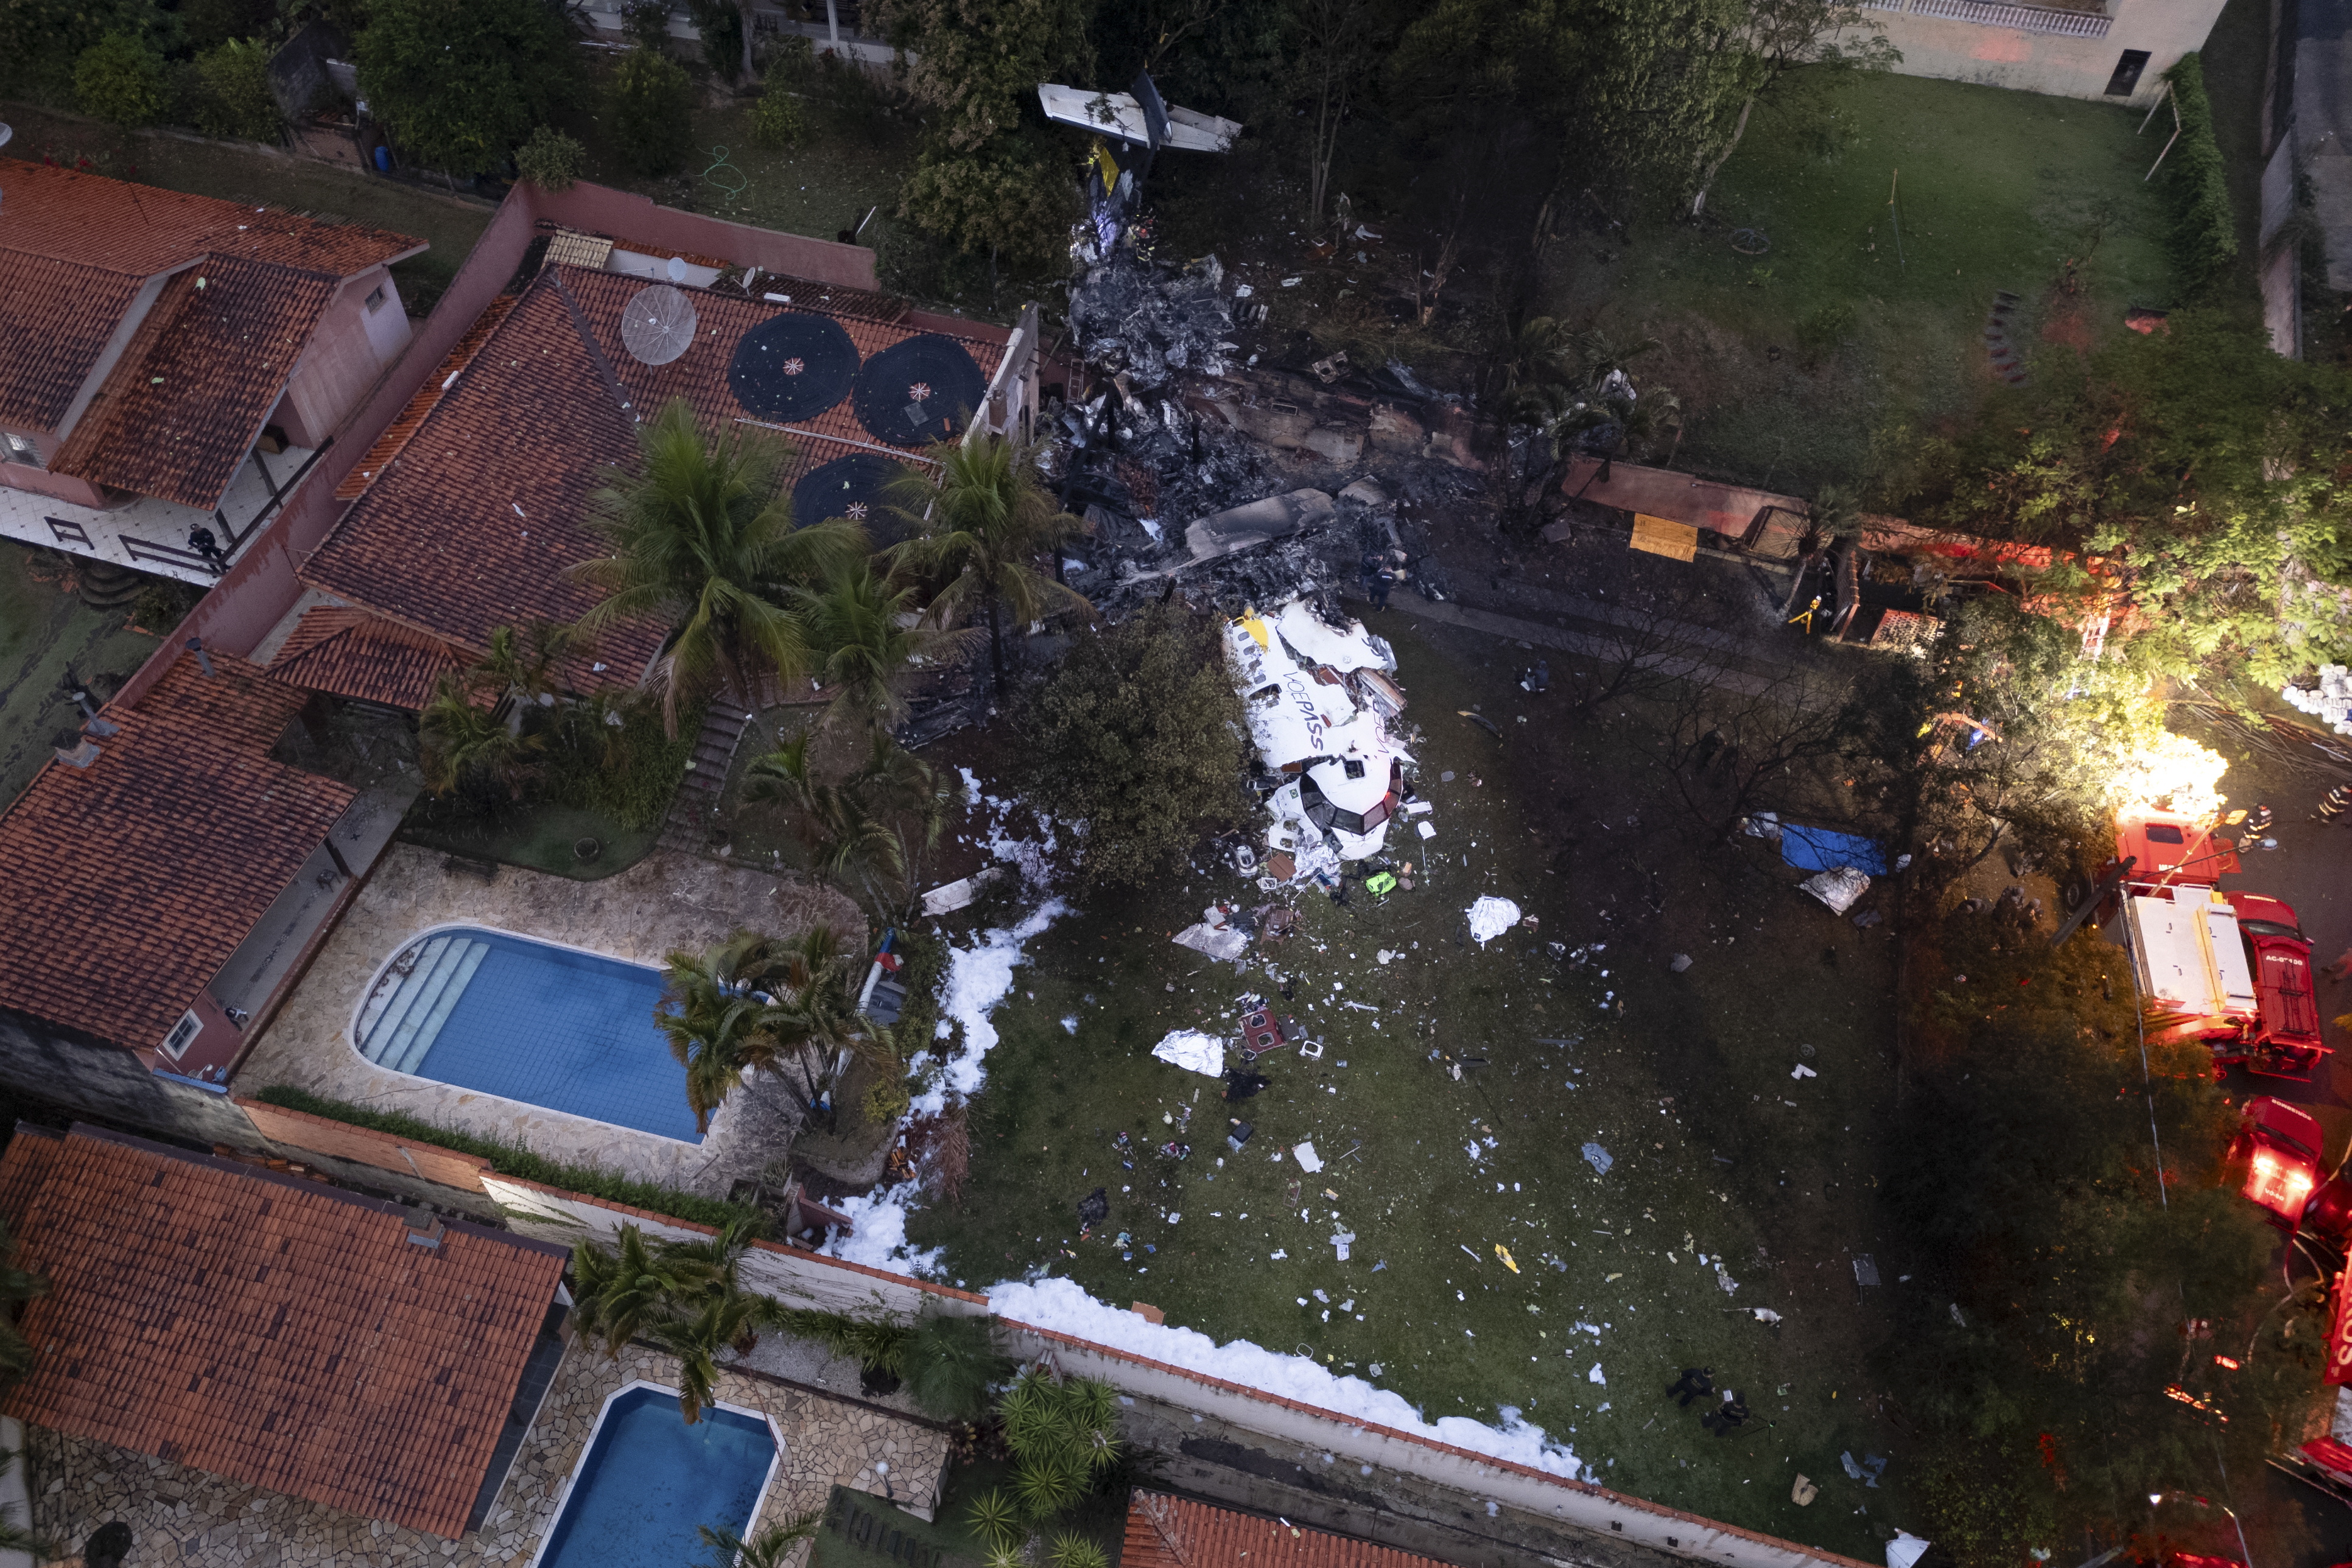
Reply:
x=665 y=900
x=191 y=1520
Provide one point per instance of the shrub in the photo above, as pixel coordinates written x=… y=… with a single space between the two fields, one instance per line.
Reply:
x=651 y=100
x=779 y=120
x=121 y=80
x=512 y=1159
x=626 y=771
x=460 y=83
x=233 y=96
x=550 y=160
x=2204 y=236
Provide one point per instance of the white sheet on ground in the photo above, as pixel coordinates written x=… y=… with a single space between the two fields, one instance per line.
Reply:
x=1838 y=888
x=1193 y=1051
x=1904 y=1550
x=1490 y=917
x=1309 y=1160
x=1222 y=943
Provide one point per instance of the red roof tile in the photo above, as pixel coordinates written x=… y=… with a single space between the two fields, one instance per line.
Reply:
x=475 y=523
x=132 y=880
x=180 y=410
x=1164 y=1532
x=144 y=230
x=351 y=653
x=412 y=417
x=272 y=1330
x=75 y=251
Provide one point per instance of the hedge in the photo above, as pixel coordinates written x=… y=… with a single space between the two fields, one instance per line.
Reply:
x=512 y=1159
x=2204 y=239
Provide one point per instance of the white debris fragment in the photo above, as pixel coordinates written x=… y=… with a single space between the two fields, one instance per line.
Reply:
x=1193 y=1051
x=1594 y=1375
x=1309 y=1160
x=1341 y=1240
x=1598 y=1158
x=1803 y=1071
x=1723 y=1277
x=1837 y=888
x=1766 y=1315
x=1490 y=917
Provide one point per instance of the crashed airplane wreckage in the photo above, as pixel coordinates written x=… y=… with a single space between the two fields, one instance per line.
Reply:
x=1319 y=700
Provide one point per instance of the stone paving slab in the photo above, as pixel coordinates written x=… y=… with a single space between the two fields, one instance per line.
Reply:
x=665 y=900
x=184 y=1517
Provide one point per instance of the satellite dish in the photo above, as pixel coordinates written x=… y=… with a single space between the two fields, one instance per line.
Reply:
x=657 y=324
x=675 y=267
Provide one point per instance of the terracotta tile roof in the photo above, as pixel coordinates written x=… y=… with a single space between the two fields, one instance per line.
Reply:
x=1164 y=1532
x=269 y=1329
x=144 y=230
x=132 y=880
x=435 y=539
x=387 y=446
x=76 y=249
x=178 y=415
x=55 y=319
x=476 y=521
x=351 y=653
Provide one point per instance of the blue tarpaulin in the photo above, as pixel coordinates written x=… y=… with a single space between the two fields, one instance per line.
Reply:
x=1819 y=848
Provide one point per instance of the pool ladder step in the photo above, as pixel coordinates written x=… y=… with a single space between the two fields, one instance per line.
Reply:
x=412 y=1021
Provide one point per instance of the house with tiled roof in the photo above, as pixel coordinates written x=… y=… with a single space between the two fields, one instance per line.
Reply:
x=1168 y=1532
x=470 y=512
x=172 y=363
x=275 y=1332
x=165 y=872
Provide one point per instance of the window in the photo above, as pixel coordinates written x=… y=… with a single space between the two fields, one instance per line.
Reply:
x=175 y=1044
x=22 y=449
x=2164 y=833
x=2126 y=77
x=375 y=300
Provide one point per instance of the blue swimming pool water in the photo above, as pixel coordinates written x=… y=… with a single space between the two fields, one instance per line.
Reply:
x=524 y=1021
x=649 y=1479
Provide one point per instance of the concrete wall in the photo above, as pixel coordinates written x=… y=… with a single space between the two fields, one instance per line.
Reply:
x=1544 y=1513
x=2067 y=54
x=789 y=1274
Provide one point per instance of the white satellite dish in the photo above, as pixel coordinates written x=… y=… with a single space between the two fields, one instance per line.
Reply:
x=675 y=267
x=657 y=324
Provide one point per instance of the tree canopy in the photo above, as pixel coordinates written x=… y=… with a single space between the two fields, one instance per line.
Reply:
x=462 y=83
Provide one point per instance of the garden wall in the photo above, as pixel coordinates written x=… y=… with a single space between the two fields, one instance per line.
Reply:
x=2062 y=51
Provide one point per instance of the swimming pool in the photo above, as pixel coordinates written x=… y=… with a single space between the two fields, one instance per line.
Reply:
x=528 y=1020
x=648 y=1480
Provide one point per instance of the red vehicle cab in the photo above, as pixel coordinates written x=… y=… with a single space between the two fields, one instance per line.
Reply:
x=2166 y=847
x=2281 y=1146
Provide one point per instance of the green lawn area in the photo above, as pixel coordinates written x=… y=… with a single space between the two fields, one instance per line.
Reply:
x=46 y=631
x=1714 y=1150
x=1788 y=361
x=244 y=173
x=540 y=837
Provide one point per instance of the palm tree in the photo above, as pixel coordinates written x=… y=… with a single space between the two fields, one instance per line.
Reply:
x=850 y=828
x=703 y=540
x=729 y=1320
x=520 y=669
x=951 y=1365
x=865 y=632
x=761 y=1003
x=466 y=744
x=716 y=1019
x=769 y=1548
x=984 y=524
x=617 y=1294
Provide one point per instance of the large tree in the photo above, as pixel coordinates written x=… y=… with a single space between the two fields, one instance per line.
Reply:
x=1139 y=736
x=866 y=633
x=461 y=83
x=1779 y=38
x=703 y=537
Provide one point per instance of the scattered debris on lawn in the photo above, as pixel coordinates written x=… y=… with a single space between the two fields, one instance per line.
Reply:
x=1193 y=1051
x=1490 y=917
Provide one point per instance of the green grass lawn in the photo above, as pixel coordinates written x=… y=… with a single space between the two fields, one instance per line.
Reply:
x=46 y=631
x=538 y=837
x=1684 y=1080
x=1786 y=362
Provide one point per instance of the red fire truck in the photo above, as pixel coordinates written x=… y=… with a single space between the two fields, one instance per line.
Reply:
x=2231 y=969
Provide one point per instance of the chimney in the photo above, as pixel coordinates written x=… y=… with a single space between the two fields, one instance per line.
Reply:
x=425 y=1229
x=74 y=749
x=196 y=646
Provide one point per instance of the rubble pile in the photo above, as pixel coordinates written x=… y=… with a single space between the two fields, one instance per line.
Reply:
x=1133 y=320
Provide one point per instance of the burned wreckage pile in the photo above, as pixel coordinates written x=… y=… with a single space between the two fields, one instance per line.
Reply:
x=1169 y=483
x=1178 y=499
